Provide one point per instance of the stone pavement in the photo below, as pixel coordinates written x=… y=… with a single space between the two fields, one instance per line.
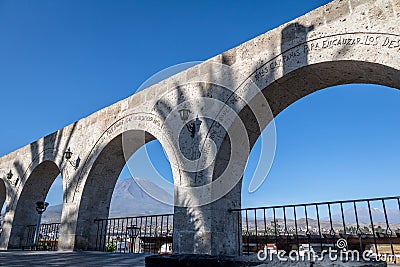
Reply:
x=45 y=258
x=16 y=258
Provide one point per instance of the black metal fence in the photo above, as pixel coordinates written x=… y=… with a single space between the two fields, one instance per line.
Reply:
x=142 y=234
x=47 y=239
x=366 y=224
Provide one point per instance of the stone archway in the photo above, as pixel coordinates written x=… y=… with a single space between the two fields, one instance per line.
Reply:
x=35 y=189
x=2 y=200
x=289 y=63
x=100 y=183
x=2 y=193
x=283 y=92
x=339 y=43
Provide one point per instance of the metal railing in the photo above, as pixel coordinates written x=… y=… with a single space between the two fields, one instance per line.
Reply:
x=153 y=234
x=372 y=224
x=48 y=237
x=365 y=224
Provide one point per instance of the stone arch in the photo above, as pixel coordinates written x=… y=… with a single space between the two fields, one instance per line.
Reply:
x=283 y=92
x=35 y=189
x=296 y=85
x=100 y=182
x=285 y=65
x=3 y=193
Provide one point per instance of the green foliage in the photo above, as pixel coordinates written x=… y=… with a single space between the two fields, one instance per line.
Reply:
x=111 y=246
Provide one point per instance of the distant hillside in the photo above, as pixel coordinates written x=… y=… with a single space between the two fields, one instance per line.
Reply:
x=128 y=199
x=363 y=215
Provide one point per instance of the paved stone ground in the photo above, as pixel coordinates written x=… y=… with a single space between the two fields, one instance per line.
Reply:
x=100 y=259
x=44 y=258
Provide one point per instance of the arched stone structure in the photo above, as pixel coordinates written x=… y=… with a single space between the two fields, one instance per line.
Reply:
x=353 y=41
x=97 y=174
x=2 y=200
x=2 y=193
x=100 y=182
x=32 y=175
x=327 y=47
x=35 y=189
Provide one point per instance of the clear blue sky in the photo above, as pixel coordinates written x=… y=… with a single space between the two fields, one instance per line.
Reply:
x=63 y=60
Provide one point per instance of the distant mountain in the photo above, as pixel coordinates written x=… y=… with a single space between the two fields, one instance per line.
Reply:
x=378 y=215
x=52 y=214
x=129 y=199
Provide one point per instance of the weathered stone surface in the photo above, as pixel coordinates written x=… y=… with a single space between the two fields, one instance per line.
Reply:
x=235 y=95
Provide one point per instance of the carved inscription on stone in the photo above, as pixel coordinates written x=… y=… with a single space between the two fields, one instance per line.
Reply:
x=300 y=52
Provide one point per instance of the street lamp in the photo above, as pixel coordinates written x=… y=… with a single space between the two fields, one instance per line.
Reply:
x=133 y=233
x=184 y=114
x=68 y=155
x=40 y=208
x=9 y=175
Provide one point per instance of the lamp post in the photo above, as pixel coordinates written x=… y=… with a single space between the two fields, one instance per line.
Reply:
x=68 y=155
x=40 y=208
x=133 y=232
x=192 y=127
x=9 y=175
x=184 y=114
